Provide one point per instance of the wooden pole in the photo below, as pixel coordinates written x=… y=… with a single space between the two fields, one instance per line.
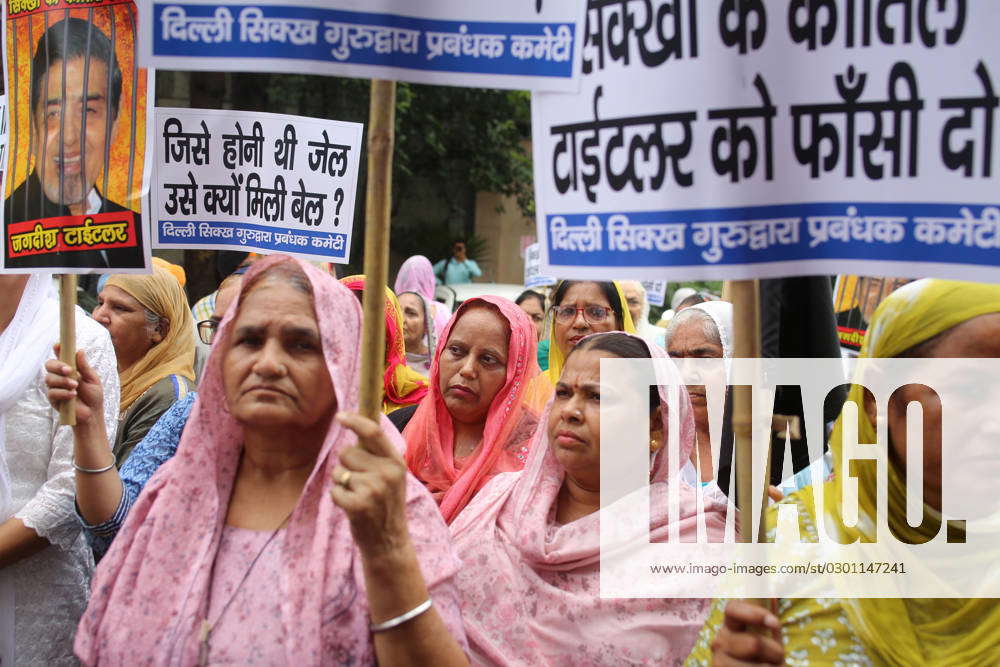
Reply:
x=67 y=339
x=381 y=138
x=745 y=295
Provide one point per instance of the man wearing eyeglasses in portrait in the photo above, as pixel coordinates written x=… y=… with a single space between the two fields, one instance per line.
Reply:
x=76 y=89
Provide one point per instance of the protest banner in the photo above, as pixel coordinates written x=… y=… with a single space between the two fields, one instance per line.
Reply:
x=656 y=291
x=774 y=139
x=520 y=44
x=255 y=181
x=532 y=276
x=76 y=170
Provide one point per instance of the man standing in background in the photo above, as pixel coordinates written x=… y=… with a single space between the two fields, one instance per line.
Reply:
x=458 y=268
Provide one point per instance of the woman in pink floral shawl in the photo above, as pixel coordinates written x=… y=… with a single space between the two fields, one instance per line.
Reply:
x=529 y=542
x=205 y=570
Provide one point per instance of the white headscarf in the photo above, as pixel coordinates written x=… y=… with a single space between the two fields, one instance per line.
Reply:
x=24 y=346
x=422 y=362
x=721 y=313
x=681 y=294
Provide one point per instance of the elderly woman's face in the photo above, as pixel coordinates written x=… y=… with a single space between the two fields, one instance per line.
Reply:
x=690 y=341
x=973 y=339
x=569 y=332
x=274 y=372
x=634 y=299
x=125 y=319
x=414 y=325
x=473 y=365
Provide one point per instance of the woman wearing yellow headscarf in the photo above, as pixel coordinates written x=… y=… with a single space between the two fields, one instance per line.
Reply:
x=580 y=308
x=402 y=385
x=153 y=334
x=927 y=318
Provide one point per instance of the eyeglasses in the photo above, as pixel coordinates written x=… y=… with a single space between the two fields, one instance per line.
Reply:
x=592 y=314
x=206 y=331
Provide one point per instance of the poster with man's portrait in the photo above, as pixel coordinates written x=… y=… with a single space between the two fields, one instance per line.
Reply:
x=76 y=171
x=854 y=302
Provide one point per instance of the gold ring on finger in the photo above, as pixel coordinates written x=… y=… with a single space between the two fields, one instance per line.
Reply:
x=345 y=478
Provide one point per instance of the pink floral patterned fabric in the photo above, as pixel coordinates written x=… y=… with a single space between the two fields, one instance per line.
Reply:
x=150 y=593
x=530 y=586
x=250 y=630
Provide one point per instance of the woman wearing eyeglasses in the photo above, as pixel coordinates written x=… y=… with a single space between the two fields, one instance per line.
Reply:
x=581 y=308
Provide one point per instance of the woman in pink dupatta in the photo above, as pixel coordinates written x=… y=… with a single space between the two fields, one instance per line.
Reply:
x=530 y=576
x=417 y=275
x=173 y=590
x=504 y=431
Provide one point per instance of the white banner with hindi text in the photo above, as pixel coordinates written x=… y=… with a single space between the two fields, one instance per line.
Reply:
x=255 y=181
x=520 y=44
x=729 y=140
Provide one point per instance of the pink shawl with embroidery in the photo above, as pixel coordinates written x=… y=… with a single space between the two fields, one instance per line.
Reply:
x=510 y=422
x=530 y=587
x=150 y=592
x=417 y=275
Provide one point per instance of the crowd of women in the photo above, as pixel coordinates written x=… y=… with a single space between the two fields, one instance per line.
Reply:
x=257 y=518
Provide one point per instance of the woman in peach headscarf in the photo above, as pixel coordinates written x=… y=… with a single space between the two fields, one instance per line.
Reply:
x=477 y=418
x=402 y=385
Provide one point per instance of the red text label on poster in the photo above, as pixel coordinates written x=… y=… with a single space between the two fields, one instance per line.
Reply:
x=851 y=338
x=100 y=231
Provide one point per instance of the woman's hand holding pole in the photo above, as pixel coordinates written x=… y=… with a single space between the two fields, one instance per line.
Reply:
x=370 y=486
x=97 y=493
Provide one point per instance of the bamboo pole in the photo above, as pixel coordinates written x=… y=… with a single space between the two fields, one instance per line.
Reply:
x=745 y=295
x=381 y=137
x=67 y=339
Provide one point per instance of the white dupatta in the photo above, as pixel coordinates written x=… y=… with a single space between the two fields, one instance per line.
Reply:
x=24 y=346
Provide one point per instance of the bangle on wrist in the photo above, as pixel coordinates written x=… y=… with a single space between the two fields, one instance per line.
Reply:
x=93 y=471
x=402 y=618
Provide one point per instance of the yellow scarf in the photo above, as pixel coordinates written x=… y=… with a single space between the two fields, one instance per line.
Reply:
x=161 y=293
x=401 y=384
x=556 y=356
x=914 y=631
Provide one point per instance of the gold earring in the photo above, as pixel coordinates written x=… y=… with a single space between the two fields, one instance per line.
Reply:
x=654 y=445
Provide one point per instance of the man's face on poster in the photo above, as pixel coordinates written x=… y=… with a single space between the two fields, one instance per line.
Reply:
x=69 y=158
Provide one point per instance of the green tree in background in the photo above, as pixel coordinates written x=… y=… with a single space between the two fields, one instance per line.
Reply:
x=450 y=144
x=712 y=286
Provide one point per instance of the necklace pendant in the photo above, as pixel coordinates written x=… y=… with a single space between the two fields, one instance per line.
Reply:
x=206 y=629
